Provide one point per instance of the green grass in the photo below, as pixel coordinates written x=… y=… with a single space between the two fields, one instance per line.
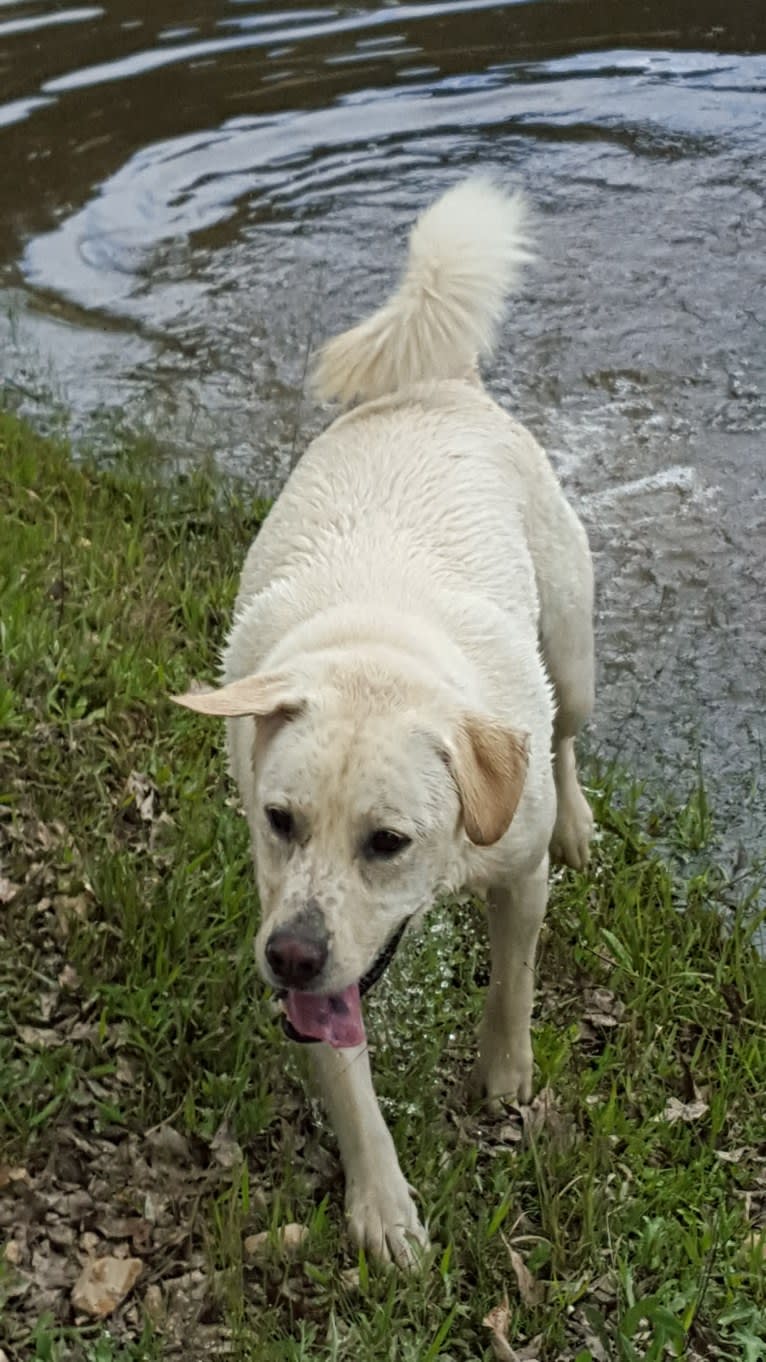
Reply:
x=128 y=945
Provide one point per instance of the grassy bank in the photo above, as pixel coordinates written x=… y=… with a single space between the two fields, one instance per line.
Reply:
x=152 y=1114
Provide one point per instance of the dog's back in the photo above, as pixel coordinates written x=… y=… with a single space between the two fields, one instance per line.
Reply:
x=425 y=485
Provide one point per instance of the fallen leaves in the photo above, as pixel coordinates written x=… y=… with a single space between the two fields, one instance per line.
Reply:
x=70 y=910
x=501 y=1133
x=142 y=793
x=532 y=1291
x=734 y=1156
x=603 y=1010
x=676 y=1110
x=40 y=1037
x=154 y=1303
x=167 y=1145
x=498 y=1322
x=101 y=1215
x=224 y=1148
x=545 y=1114
x=101 y=1201
x=8 y=890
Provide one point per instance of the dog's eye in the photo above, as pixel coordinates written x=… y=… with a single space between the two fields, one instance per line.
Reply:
x=383 y=844
x=281 y=821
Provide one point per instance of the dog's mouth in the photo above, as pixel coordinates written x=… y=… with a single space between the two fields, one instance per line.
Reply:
x=335 y=1018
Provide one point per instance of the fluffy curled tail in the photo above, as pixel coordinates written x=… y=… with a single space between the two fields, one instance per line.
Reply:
x=465 y=254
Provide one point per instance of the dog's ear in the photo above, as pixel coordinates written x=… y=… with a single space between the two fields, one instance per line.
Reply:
x=489 y=764
x=259 y=696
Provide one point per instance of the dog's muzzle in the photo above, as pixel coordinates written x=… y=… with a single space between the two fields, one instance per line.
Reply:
x=371 y=976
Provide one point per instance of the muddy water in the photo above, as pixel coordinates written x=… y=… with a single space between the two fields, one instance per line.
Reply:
x=190 y=194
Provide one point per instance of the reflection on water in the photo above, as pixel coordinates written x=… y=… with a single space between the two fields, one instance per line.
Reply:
x=190 y=198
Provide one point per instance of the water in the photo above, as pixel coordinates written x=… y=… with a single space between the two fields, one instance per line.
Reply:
x=189 y=200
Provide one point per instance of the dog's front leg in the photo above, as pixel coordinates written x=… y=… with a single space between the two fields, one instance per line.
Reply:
x=503 y=1071
x=380 y=1211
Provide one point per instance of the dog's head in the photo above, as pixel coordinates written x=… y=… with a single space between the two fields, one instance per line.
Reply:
x=365 y=787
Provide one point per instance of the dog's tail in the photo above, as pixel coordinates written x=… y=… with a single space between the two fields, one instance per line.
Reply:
x=465 y=254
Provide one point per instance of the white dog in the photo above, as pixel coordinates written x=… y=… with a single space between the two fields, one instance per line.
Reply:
x=410 y=661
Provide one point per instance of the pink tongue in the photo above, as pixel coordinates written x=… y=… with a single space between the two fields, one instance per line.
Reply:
x=333 y=1017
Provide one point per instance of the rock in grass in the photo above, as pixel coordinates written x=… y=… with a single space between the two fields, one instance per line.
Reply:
x=104 y=1283
x=288 y=1238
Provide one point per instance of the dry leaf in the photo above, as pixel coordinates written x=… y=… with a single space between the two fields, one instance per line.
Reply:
x=70 y=909
x=116 y=1227
x=143 y=792
x=603 y=1003
x=604 y=1289
x=163 y=829
x=225 y=1149
x=603 y=1021
x=532 y=1351
x=125 y=1071
x=497 y=1321
x=579 y=1324
x=8 y=890
x=531 y=1291
x=47 y=1004
x=40 y=1037
x=288 y=1238
x=508 y=1133
x=544 y=1114
x=731 y=1155
x=52 y=833
x=682 y=1111
x=188 y=1291
x=69 y=979
x=154 y=1303
x=168 y=1145
x=50 y=1270
x=61 y=1236
x=104 y=1283
x=154 y=1207
x=540 y=1113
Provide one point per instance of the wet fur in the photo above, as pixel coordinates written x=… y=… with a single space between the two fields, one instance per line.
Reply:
x=412 y=641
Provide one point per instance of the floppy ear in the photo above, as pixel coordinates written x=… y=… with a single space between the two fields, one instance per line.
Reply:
x=489 y=764
x=258 y=695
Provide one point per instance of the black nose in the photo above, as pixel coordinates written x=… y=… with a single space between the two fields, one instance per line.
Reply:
x=295 y=958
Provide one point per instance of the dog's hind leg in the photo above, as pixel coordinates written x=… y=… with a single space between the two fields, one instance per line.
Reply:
x=565 y=585
x=381 y=1213
x=503 y=1070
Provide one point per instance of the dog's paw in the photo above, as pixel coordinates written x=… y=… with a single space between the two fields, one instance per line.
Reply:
x=570 y=843
x=382 y=1220
x=497 y=1079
